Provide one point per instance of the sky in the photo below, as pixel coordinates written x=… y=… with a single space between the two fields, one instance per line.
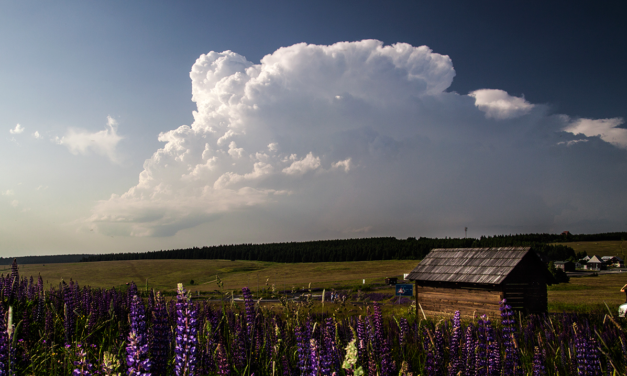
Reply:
x=158 y=125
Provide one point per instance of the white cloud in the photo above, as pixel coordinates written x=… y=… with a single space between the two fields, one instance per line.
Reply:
x=606 y=129
x=234 y=151
x=412 y=156
x=571 y=142
x=497 y=104
x=8 y=192
x=302 y=166
x=17 y=130
x=37 y=135
x=82 y=141
x=345 y=165
x=15 y=203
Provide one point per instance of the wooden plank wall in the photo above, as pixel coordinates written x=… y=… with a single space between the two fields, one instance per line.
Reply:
x=525 y=287
x=467 y=301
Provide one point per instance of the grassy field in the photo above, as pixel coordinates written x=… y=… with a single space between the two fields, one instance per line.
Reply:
x=586 y=293
x=583 y=293
x=606 y=248
x=165 y=274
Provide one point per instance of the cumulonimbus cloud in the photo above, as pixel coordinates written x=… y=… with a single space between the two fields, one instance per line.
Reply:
x=82 y=141
x=354 y=135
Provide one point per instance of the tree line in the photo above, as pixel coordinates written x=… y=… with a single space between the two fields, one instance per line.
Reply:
x=366 y=249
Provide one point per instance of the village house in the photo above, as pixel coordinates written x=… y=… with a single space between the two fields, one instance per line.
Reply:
x=567 y=266
x=595 y=263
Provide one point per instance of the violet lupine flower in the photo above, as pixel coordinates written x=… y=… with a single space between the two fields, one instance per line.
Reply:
x=493 y=350
x=468 y=354
x=4 y=344
x=39 y=313
x=438 y=353
x=83 y=367
x=302 y=345
x=286 y=366
x=388 y=366
x=327 y=352
x=430 y=368
x=404 y=331
x=581 y=346
x=512 y=365
x=222 y=362
x=137 y=349
x=238 y=347
x=480 y=349
x=250 y=311
x=186 y=340
x=538 y=363
x=362 y=340
x=31 y=289
x=314 y=357
x=159 y=339
x=68 y=310
x=593 y=366
x=454 y=345
x=378 y=329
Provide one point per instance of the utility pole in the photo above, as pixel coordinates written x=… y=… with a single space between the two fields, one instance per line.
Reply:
x=465 y=232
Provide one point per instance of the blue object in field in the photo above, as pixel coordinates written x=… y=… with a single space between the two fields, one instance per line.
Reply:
x=404 y=290
x=622 y=310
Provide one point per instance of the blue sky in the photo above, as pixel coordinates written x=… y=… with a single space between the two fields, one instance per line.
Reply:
x=510 y=121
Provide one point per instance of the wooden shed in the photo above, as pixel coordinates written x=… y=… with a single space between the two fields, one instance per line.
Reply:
x=476 y=280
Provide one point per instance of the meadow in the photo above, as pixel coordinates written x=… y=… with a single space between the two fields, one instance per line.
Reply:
x=163 y=275
x=101 y=318
x=78 y=330
x=600 y=248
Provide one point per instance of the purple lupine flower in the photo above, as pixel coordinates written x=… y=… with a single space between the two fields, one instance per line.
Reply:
x=593 y=362
x=438 y=351
x=454 y=345
x=481 y=363
x=581 y=345
x=68 y=310
x=430 y=367
x=286 y=366
x=186 y=340
x=130 y=293
x=31 y=289
x=327 y=358
x=40 y=314
x=388 y=366
x=159 y=339
x=83 y=366
x=468 y=353
x=238 y=347
x=538 y=363
x=378 y=329
x=5 y=344
x=493 y=351
x=512 y=365
x=362 y=340
x=314 y=358
x=222 y=362
x=137 y=349
x=403 y=332
x=93 y=317
x=302 y=345
x=250 y=311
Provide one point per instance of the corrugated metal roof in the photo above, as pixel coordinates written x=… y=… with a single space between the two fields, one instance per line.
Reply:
x=468 y=265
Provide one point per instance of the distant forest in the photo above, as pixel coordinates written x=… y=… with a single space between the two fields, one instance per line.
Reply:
x=364 y=249
x=50 y=259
